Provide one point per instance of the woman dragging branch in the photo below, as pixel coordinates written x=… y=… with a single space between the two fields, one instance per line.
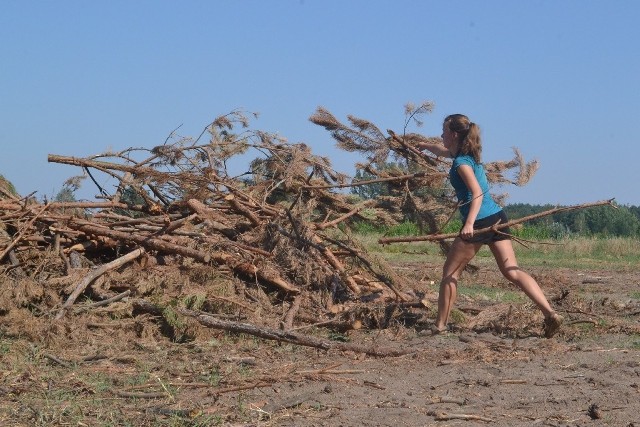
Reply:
x=461 y=141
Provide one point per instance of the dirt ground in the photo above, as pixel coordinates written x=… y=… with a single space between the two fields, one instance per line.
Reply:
x=494 y=368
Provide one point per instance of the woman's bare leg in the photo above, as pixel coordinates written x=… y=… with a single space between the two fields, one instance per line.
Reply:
x=505 y=257
x=459 y=255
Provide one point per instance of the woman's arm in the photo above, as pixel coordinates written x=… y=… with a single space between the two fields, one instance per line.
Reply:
x=435 y=148
x=469 y=178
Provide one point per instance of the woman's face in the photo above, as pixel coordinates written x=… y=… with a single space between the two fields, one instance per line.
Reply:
x=449 y=139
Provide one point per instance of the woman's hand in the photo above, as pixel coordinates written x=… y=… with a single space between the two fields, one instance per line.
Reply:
x=467 y=231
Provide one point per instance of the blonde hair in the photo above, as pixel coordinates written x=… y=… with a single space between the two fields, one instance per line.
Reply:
x=468 y=133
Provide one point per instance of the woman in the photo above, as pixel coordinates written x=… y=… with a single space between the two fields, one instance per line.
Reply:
x=461 y=141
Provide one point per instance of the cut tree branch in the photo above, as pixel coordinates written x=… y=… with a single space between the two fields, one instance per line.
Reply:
x=289 y=336
x=435 y=237
x=93 y=275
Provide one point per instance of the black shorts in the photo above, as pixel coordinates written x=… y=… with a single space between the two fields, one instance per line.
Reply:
x=490 y=236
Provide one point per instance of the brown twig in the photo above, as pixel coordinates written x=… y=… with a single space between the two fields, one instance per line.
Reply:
x=107 y=301
x=367 y=182
x=443 y=416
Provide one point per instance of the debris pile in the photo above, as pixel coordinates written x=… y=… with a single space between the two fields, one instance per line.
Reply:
x=180 y=229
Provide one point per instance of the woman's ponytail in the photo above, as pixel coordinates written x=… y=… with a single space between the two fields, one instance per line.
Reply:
x=469 y=135
x=471 y=143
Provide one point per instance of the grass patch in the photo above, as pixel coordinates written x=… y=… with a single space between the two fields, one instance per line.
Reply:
x=138 y=379
x=614 y=253
x=456 y=316
x=214 y=376
x=491 y=294
x=99 y=382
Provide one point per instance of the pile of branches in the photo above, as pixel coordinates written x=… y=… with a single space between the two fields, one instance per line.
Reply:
x=265 y=213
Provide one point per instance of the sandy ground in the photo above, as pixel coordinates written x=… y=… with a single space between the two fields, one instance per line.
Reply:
x=493 y=369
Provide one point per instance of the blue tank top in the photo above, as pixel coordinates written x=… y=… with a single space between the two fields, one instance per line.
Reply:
x=489 y=206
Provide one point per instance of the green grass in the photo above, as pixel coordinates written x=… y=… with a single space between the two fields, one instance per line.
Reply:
x=614 y=253
x=479 y=292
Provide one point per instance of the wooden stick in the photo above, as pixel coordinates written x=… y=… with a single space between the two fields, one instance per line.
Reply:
x=108 y=300
x=369 y=181
x=443 y=416
x=134 y=395
x=288 y=336
x=57 y=360
x=237 y=206
x=287 y=322
x=450 y=399
x=93 y=275
x=431 y=161
x=434 y=237
x=335 y=263
x=346 y=216
x=101 y=165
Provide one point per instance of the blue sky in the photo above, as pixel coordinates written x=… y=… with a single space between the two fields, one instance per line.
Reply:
x=557 y=79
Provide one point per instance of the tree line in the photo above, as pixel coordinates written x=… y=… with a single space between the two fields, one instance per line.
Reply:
x=604 y=221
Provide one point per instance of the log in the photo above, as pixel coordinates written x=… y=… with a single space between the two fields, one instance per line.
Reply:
x=248 y=269
x=94 y=274
x=335 y=263
x=145 y=241
x=287 y=322
x=289 y=336
x=242 y=210
x=238 y=266
x=209 y=215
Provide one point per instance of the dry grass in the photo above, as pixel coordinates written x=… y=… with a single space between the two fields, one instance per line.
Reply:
x=584 y=252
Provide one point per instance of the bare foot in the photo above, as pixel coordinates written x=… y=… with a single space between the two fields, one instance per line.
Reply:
x=435 y=330
x=552 y=324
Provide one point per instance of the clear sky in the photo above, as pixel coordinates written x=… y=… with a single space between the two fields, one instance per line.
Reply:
x=558 y=79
